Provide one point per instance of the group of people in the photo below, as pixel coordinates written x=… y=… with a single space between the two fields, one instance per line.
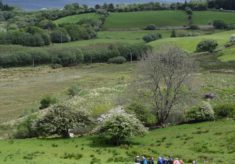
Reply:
x=160 y=160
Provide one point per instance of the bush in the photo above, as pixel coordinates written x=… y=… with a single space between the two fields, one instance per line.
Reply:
x=119 y=126
x=40 y=56
x=194 y=27
x=219 y=24
x=152 y=37
x=47 y=101
x=232 y=38
x=207 y=45
x=142 y=113
x=117 y=60
x=204 y=112
x=225 y=110
x=173 y=34
x=60 y=119
x=26 y=128
x=74 y=90
x=151 y=27
x=67 y=57
x=56 y=66
x=78 y=32
x=60 y=36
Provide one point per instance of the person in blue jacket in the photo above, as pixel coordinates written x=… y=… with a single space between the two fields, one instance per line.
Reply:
x=144 y=161
x=160 y=160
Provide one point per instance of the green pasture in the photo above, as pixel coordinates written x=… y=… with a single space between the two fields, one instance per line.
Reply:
x=138 y=20
x=76 y=18
x=189 y=44
x=228 y=55
x=210 y=142
x=23 y=88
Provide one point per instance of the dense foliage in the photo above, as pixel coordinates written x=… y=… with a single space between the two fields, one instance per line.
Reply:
x=47 y=101
x=119 y=126
x=60 y=119
x=73 y=56
x=151 y=27
x=207 y=45
x=117 y=60
x=225 y=110
x=145 y=115
x=220 y=24
x=222 y=4
x=204 y=112
x=151 y=37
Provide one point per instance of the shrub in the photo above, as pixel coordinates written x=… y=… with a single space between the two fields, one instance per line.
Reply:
x=40 y=56
x=60 y=36
x=56 y=66
x=119 y=126
x=204 y=112
x=152 y=37
x=219 y=24
x=117 y=60
x=67 y=57
x=60 y=119
x=151 y=27
x=194 y=27
x=207 y=45
x=47 y=101
x=74 y=90
x=232 y=38
x=142 y=113
x=78 y=32
x=225 y=110
x=26 y=128
x=173 y=34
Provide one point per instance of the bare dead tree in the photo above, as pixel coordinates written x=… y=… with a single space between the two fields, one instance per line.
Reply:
x=165 y=74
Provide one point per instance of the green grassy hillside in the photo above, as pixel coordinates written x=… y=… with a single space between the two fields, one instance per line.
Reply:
x=76 y=18
x=190 y=43
x=211 y=142
x=136 y=20
x=228 y=55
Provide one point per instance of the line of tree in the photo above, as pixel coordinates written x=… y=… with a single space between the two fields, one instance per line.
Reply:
x=5 y=7
x=152 y=6
x=222 y=4
x=73 y=56
x=36 y=37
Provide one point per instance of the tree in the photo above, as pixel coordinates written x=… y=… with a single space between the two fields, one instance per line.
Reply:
x=219 y=24
x=119 y=126
x=189 y=13
x=165 y=75
x=60 y=36
x=207 y=45
x=60 y=119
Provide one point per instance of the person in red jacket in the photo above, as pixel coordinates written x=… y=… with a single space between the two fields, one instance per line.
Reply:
x=176 y=161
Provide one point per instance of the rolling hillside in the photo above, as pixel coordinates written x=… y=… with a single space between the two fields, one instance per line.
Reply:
x=211 y=142
x=137 y=20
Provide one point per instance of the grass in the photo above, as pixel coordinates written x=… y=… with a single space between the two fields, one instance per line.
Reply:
x=138 y=20
x=210 y=142
x=76 y=18
x=228 y=55
x=46 y=81
x=189 y=44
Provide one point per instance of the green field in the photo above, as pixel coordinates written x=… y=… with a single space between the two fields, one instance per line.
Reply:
x=228 y=55
x=137 y=20
x=103 y=87
x=211 y=142
x=42 y=82
x=189 y=44
x=76 y=18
